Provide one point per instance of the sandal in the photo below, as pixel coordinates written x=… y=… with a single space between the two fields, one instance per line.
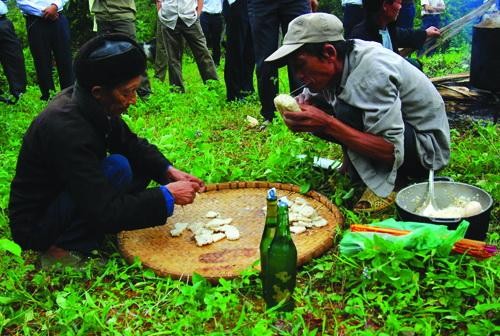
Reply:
x=371 y=203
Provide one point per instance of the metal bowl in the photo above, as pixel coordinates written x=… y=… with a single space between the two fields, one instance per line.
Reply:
x=409 y=199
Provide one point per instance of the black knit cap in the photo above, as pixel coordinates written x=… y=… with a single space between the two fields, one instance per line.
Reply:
x=108 y=60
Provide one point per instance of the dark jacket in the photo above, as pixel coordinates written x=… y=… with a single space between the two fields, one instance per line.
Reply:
x=63 y=150
x=401 y=38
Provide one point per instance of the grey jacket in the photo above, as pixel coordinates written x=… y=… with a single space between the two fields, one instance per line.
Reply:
x=388 y=90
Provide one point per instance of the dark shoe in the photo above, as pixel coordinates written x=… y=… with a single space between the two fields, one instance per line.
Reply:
x=5 y=100
x=264 y=125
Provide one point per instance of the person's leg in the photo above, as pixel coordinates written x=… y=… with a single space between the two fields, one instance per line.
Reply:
x=353 y=14
x=205 y=27
x=196 y=41
x=412 y=166
x=406 y=16
x=240 y=61
x=161 y=56
x=289 y=10
x=216 y=28
x=38 y=38
x=247 y=52
x=173 y=41
x=12 y=59
x=65 y=228
x=61 y=46
x=265 y=30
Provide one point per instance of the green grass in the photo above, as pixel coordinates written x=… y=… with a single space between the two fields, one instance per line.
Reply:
x=390 y=293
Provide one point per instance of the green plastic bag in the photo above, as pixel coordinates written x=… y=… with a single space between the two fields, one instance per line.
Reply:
x=422 y=237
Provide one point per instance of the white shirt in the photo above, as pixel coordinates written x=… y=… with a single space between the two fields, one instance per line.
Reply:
x=35 y=7
x=3 y=7
x=352 y=2
x=171 y=10
x=212 y=6
x=438 y=6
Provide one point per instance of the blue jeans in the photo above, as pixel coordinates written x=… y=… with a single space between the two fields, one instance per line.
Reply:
x=63 y=226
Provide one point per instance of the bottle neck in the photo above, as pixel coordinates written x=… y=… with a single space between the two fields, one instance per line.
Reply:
x=283 y=224
x=272 y=213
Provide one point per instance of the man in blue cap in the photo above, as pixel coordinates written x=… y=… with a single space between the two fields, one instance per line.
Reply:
x=81 y=172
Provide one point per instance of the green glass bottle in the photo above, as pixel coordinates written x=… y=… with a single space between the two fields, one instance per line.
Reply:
x=270 y=226
x=281 y=264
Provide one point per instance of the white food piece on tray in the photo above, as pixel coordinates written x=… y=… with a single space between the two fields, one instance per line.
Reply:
x=178 y=229
x=297 y=229
x=218 y=236
x=231 y=231
x=319 y=222
x=195 y=227
x=300 y=201
x=212 y=214
x=307 y=211
x=216 y=222
x=203 y=239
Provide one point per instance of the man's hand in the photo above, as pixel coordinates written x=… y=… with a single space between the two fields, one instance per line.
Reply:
x=51 y=13
x=183 y=192
x=310 y=119
x=433 y=32
x=174 y=175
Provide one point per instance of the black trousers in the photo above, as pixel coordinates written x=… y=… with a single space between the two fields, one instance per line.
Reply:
x=240 y=59
x=50 y=40
x=11 y=58
x=266 y=20
x=212 y=25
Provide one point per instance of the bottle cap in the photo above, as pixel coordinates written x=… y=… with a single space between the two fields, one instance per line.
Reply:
x=271 y=194
x=282 y=203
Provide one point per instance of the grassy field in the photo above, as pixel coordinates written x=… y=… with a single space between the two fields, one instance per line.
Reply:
x=393 y=292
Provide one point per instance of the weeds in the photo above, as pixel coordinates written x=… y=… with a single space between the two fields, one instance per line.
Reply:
x=390 y=293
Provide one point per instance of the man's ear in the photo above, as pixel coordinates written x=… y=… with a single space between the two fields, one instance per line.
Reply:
x=329 y=51
x=97 y=92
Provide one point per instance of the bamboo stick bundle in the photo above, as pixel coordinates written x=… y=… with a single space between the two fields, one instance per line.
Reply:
x=450 y=30
x=474 y=248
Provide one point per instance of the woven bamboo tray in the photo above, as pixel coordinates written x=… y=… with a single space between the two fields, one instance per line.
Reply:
x=180 y=257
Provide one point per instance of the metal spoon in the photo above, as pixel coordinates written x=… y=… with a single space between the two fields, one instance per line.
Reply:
x=429 y=206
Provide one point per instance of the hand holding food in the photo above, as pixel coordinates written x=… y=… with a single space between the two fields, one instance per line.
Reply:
x=284 y=103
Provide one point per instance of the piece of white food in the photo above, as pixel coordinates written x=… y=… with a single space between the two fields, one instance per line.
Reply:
x=284 y=102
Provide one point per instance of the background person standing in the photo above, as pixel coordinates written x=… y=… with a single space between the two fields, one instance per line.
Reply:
x=11 y=57
x=266 y=20
x=48 y=38
x=180 y=20
x=212 y=24
x=240 y=60
x=431 y=13
x=118 y=16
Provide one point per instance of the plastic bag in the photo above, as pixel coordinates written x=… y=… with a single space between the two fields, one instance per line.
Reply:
x=422 y=237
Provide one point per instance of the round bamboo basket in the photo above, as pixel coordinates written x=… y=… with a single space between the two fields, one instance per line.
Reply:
x=244 y=202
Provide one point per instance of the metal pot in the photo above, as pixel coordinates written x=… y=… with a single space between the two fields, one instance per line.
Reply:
x=409 y=199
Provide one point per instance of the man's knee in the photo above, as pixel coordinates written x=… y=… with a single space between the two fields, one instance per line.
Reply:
x=117 y=170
